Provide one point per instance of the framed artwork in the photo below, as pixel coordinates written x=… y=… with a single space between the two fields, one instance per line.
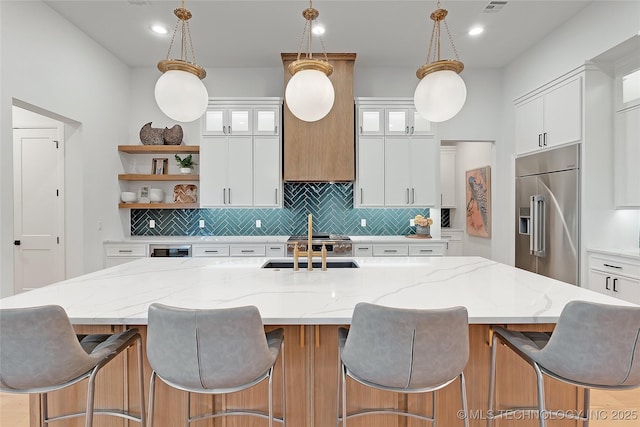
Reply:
x=478 y=198
x=160 y=166
x=143 y=195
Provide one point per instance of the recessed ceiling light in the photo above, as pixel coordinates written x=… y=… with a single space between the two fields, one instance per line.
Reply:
x=475 y=31
x=318 y=30
x=159 y=29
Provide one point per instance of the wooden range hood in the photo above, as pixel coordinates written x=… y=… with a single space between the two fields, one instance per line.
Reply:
x=322 y=151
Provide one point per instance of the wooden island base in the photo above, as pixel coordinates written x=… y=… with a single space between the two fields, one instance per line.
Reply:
x=311 y=381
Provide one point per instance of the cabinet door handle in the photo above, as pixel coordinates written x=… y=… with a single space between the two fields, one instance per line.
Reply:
x=544 y=139
x=606 y=283
x=407 y=195
x=390 y=251
x=539 y=140
x=411 y=130
x=224 y=130
x=211 y=251
x=229 y=198
x=361 y=130
x=407 y=130
x=426 y=250
x=224 y=196
x=363 y=249
x=615 y=282
x=229 y=127
x=613 y=266
x=276 y=196
x=275 y=130
x=247 y=251
x=413 y=196
x=125 y=251
x=361 y=195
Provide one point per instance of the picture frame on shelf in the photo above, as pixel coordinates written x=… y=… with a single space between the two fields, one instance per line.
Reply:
x=143 y=195
x=159 y=166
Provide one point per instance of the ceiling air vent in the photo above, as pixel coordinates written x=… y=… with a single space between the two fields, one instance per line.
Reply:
x=494 y=6
x=139 y=2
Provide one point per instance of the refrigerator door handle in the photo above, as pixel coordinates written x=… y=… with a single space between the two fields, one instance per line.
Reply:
x=533 y=230
x=538 y=244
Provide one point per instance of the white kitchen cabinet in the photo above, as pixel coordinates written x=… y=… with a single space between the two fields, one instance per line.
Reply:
x=363 y=249
x=551 y=117
x=410 y=171
x=615 y=276
x=390 y=249
x=371 y=121
x=228 y=120
x=210 y=250
x=241 y=167
x=448 y=177
x=396 y=155
x=454 y=241
x=276 y=249
x=406 y=121
x=426 y=249
x=120 y=253
x=226 y=171
x=246 y=250
x=369 y=191
x=627 y=158
x=267 y=175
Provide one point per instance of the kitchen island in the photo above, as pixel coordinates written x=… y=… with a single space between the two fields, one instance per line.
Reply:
x=310 y=305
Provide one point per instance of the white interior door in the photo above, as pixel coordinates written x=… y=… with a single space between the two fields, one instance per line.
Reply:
x=38 y=208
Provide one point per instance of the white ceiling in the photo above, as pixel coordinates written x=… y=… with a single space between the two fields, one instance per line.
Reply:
x=242 y=33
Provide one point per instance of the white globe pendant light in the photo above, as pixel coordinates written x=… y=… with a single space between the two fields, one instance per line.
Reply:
x=441 y=92
x=309 y=94
x=179 y=91
x=181 y=95
x=440 y=95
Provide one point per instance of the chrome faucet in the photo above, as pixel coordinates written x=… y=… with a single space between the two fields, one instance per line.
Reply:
x=309 y=253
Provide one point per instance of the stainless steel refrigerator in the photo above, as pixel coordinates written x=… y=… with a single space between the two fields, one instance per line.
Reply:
x=548 y=213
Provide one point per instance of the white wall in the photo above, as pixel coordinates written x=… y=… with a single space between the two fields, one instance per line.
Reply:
x=597 y=28
x=52 y=65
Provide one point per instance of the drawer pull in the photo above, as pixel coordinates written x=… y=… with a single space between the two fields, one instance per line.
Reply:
x=247 y=251
x=613 y=266
x=125 y=251
x=274 y=249
x=390 y=251
x=426 y=250
x=363 y=249
x=606 y=283
x=211 y=251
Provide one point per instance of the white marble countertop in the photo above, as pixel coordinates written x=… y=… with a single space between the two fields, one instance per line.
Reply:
x=633 y=253
x=258 y=239
x=492 y=292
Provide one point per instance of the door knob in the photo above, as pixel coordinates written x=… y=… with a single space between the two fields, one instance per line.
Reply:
x=16 y=242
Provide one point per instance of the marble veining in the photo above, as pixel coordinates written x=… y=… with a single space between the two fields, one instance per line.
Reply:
x=492 y=292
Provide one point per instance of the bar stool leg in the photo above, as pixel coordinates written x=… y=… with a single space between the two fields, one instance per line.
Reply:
x=492 y=381
x=91 y=387
x=152 y=389
x=143 y=419
x=463 y=394
x=541 y=403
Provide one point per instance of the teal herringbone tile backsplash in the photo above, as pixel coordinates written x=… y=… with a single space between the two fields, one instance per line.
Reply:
x=330 y=204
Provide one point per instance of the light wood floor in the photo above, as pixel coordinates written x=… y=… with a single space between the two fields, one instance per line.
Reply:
x=610 y=407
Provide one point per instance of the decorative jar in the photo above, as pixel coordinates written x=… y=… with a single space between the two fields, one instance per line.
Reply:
x=423 y=230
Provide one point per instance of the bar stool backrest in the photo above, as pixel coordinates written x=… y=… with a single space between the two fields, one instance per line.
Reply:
x=407 y=348
x=39 y=349
x=207 y=349
x=595 y=344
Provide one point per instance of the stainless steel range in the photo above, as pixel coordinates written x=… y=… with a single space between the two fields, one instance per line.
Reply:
x=336 y=244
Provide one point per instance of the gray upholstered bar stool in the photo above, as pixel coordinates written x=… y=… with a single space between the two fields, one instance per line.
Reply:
x=403 y=351
x=40 y=353
x=592 y=346
x=214 y=351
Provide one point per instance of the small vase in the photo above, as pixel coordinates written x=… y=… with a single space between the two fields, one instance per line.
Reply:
x=185 y=170
x=423 y=230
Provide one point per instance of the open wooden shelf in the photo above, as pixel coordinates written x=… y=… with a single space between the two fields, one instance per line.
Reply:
x=159 y=149
x=159 y=205
x=157 y=177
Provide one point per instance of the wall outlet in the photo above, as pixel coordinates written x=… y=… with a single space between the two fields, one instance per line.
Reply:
x=258 y=223
x=152 y=223
x=201 y=223
x=412 y=222
x=99 y=226
x=363 y=222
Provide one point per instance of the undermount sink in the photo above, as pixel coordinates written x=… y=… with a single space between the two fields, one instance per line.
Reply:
x=341 y=263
